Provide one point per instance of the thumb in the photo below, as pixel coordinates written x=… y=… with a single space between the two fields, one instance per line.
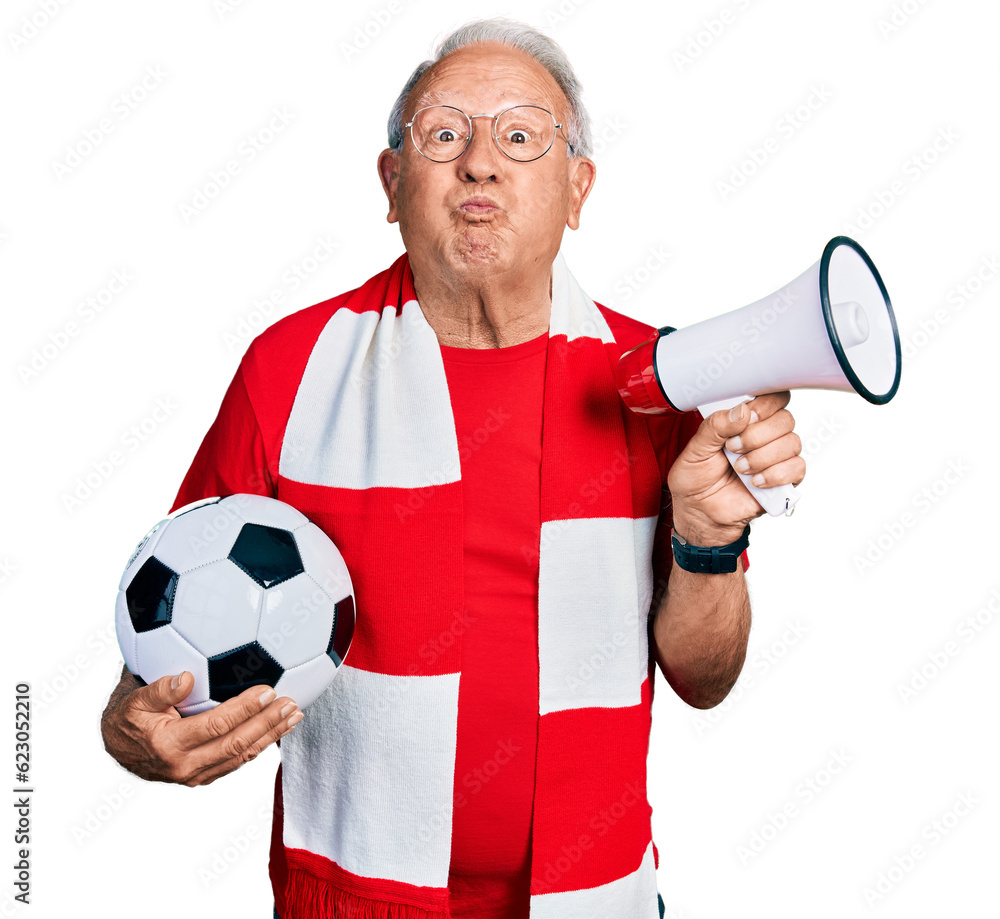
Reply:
x=717 y=428
x=166 y=692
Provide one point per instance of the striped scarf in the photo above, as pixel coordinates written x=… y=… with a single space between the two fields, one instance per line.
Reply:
x=365 y=788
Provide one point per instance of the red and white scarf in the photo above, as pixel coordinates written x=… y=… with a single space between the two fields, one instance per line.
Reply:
x=366 y=783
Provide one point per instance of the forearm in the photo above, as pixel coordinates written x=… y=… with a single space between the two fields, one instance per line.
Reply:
x=700 y=632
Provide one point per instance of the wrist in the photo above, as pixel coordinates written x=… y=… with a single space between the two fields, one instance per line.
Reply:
x=700 y=532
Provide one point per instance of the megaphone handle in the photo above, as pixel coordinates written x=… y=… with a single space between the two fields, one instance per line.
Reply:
x=776 y=501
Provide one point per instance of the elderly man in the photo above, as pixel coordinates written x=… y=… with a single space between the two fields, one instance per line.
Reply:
x=454 y=425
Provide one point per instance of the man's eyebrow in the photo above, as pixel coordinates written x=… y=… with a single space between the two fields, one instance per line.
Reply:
x=437 y=95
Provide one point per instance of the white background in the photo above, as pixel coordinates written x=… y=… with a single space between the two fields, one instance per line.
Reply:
x=681 y=97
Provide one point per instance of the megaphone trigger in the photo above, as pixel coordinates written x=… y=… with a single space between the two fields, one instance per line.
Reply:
x=776 y=501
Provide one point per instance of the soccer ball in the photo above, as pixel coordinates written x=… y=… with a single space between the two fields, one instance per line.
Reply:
x=240 y=591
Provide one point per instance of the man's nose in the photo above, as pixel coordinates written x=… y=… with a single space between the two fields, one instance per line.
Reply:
x=481 y=161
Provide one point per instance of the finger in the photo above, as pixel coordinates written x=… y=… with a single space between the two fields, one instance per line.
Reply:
x=715 y=430
x=219 y=721
x=767 y=404
x=242 y=745
x=762 y=432
x=790 y=471
x=162 y=695
x=772 y=453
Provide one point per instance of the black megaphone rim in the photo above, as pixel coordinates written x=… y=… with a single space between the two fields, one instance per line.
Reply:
x=838 y=348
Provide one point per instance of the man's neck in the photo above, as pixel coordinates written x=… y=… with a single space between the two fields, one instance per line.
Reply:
x=484 y=312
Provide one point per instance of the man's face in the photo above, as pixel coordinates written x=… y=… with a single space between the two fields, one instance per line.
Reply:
x=483 y=214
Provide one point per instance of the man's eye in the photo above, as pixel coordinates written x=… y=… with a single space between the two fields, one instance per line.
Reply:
x=445 y=135
x=518 y=137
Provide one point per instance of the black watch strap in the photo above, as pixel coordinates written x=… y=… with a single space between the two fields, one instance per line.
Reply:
x=709 y=559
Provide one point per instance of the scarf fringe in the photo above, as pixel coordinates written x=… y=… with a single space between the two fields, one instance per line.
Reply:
x=310 y=897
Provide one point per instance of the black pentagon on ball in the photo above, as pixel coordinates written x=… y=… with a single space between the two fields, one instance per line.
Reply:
x=342 y=631
x=150 y=595
x=268 y=554
x=233 y=671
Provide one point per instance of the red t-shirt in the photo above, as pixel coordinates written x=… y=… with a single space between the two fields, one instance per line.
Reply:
x=496 y=397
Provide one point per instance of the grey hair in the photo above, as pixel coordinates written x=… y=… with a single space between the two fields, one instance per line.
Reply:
x=515 y=35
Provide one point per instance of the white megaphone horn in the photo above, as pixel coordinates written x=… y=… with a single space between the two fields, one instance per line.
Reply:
x=831 y=328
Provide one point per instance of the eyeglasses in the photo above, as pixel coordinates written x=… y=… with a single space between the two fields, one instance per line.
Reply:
x=523 y=133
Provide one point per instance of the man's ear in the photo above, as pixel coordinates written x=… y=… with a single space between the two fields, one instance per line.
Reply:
x=582 y=173
x=388 y=172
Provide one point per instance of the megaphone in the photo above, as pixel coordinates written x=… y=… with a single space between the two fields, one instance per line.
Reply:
x=831 y=328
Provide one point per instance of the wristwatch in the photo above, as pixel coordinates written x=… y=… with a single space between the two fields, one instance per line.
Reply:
x=709 y=559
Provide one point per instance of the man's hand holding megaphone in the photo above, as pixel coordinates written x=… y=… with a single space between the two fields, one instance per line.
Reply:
x=711 y=506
